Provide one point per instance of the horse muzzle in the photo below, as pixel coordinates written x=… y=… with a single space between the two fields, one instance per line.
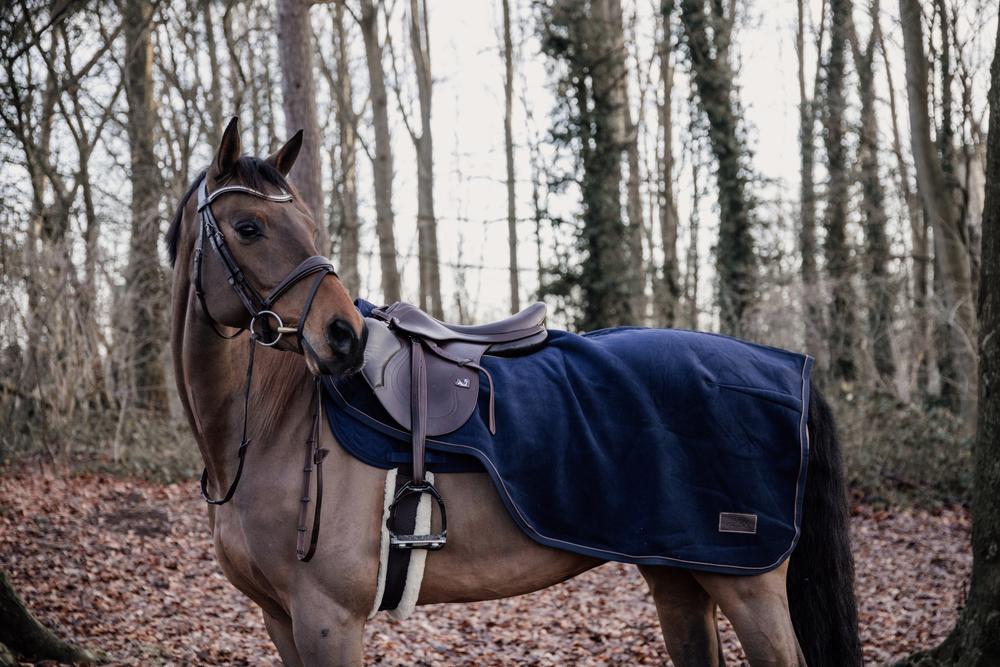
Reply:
x=346 y=349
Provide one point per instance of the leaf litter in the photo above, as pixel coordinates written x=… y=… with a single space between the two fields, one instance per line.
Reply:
x=127 y=568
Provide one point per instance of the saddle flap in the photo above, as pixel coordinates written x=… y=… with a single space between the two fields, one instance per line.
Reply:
x=452 y=390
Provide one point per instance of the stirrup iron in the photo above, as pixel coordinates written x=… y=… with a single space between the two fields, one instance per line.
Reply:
x=431 y=541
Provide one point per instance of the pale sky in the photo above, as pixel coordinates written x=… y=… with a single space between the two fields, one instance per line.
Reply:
x=468 y=136
x=470 y=192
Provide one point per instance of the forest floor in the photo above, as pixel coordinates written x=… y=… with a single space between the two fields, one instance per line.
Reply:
x=126 y=568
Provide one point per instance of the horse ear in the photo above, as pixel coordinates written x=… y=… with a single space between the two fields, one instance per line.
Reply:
x=284 y=158
x=229 y=151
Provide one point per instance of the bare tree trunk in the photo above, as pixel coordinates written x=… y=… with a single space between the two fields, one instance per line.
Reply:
x=973 y=642
x=254 y=78
x=950 y=394
x=918 y=233
x=842 y=325
x=668 y=292
x=950 y=241
x=630 y=143
x=608 y=297
x=508 y=139
x=22 y=634
x=382 y=168
x=269 y=104
x=430 y=268
x=347 y=187
x=691 y=268
x=238 y=82
x=880 y=296
x=708 y=41
x=214 y=93
x=298 y=92
x=807 y=193
x=538 y=213
x=144 y=280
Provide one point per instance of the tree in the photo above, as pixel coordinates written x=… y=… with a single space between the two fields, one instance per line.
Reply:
x=588 y=120
x=839 y=265
x=707 y=34
x=346 y=185
x=508 y=142
x=973 y=642
x=23 y=636
x=667 y=289
x=298 y=95
x=427 y=244
x=214 y=93
x=382 y=160
x=873 y=202
x=807 y=184
x=628 y=131
x=144 y=276
x=951 y=249
x=918 y=229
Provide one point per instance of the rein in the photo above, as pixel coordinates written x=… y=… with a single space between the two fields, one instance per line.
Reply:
x=259 y=308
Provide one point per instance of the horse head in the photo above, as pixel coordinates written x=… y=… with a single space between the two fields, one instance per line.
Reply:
x=250 y=244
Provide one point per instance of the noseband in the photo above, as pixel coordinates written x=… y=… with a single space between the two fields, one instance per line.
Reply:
x=261 y=315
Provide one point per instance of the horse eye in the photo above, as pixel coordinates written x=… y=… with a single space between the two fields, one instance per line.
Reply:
x=248 y=229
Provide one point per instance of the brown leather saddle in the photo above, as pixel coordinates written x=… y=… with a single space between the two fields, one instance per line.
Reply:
x=426 y=374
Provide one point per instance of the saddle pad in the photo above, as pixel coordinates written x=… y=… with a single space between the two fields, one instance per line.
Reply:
x=650 y=446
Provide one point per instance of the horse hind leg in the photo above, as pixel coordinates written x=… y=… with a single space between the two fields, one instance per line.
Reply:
x=757 y=606
x=687 y=617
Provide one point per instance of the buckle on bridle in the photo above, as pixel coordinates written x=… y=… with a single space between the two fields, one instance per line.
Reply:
x=280 y=329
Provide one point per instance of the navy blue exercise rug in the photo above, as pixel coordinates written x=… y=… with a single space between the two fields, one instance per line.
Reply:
x=651 y=446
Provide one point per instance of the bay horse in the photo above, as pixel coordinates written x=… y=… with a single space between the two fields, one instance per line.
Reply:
x=802 y=612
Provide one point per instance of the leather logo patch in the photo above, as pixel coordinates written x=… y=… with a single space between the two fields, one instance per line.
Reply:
x=463 y=383
x=733 y=522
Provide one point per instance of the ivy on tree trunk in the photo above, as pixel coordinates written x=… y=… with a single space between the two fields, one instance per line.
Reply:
x=839 y=266
x=707 y=34
x=588 y=119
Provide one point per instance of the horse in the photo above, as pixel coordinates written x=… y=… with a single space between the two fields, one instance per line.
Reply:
x=802 y=612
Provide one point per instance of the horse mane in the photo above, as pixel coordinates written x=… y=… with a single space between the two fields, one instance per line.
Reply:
x=284 y=374
x=248 y=170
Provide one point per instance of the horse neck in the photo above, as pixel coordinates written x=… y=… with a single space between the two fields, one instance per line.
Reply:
x=211 y=374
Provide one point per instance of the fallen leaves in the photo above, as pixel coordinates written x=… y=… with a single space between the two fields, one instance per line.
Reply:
x=127 y=568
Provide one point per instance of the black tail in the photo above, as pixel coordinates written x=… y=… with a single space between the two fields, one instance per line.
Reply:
x=821 y=570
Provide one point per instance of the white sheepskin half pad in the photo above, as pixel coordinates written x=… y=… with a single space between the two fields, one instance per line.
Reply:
x=418 y=557
x=383 y=549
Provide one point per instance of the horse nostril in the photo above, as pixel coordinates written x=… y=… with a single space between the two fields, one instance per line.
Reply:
x=341 y=337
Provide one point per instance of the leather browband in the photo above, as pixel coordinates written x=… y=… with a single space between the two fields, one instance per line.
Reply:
x=284 y=197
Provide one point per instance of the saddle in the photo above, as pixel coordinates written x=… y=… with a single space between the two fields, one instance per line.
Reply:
x=426 y=374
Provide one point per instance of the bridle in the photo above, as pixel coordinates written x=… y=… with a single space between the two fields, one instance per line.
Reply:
x=257 y=306
x=261 y=314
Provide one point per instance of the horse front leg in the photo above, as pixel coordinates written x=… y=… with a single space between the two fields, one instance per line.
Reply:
x=325 y=633
x=280 y=631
